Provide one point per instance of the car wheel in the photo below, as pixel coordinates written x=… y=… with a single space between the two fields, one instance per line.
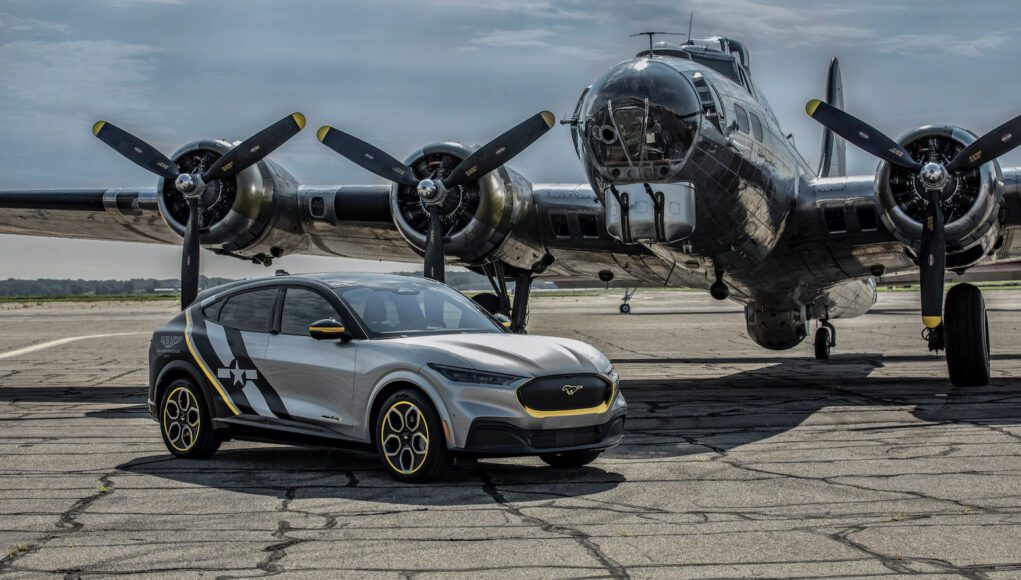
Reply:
x=185 y=423
x=569 y=459
x=410 y=439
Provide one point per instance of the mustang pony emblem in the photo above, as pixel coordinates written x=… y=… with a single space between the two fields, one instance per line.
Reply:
x=571 y=389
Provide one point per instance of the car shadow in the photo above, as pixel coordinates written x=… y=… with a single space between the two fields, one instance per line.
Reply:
x=312 y=473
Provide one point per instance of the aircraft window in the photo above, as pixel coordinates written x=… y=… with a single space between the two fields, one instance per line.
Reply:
x=249 y=310
x=741 y=116
x=302 y=307
x=756 y=127
x=560 y=227
x=589 y=226
x=723 y=66
x=212 y=311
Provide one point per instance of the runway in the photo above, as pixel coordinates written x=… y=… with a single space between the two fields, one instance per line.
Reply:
x=737 y=462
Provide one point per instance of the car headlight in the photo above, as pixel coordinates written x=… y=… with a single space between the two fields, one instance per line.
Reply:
x=460 y=375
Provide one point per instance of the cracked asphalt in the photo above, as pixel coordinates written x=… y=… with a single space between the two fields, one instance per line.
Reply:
x=737 y=462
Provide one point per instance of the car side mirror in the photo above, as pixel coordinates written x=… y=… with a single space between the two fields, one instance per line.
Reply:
x=328 y=329
x=502 y=319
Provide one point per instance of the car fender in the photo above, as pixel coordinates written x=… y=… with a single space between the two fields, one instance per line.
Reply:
x=185 y=366
x=419 y=381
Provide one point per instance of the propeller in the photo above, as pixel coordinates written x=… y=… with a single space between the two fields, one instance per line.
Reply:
x=192 y=186
x=934 y=177
x=432 y=192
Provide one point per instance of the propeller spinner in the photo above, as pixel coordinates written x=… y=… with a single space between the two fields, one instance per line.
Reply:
x=934 y=177
x=433 y=192
x=192 y=185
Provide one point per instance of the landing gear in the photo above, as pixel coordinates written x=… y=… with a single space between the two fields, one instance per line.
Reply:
x=500 y=301
x=625 y=308
x=825 y=339
x=489 y=302
x=965 y=331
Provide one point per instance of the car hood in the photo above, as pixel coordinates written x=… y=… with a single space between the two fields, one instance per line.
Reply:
x=516 y=354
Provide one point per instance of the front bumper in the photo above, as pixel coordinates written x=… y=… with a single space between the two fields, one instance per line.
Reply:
x=495 y=437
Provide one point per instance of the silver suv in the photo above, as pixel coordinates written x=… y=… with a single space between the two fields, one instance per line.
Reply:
x=406 y=366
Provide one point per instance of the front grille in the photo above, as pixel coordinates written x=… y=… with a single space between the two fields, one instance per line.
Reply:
x=565 y=393
x=554 y=438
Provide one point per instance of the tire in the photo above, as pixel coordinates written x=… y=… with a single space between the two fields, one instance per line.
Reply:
x=625 y=308
x=966 y=336
x=489 y=302
x=416 y=452
x=185 y=424
x=822 y=343
x=570 y=459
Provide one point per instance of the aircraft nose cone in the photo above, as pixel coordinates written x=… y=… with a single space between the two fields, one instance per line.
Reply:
x=640 y=122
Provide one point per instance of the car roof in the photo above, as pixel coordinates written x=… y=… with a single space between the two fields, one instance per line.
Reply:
x=333 y=279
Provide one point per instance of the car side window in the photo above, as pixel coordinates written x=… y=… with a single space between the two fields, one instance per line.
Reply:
x=302 y=307
x=249 y=310
x=213 y=310
x=741 y=116
x=756 y=127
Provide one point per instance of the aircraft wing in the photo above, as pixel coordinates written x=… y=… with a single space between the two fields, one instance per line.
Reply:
x=332 y=220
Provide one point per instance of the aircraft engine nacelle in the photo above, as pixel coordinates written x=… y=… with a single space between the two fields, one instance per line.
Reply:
x=972 y=200
x=253 y=214
x=776 y=329
x=491 y=219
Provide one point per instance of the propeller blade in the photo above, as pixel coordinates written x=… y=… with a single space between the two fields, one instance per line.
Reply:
x=932 y=263
x=989 y=146
x=190 y=255
x=500 y=150
x=137 y=151
x=251 y=150
x=366 y=156
x=434 y=266
x=860 y=133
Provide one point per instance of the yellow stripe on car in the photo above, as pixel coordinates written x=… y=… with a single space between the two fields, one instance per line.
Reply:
x=202 y=364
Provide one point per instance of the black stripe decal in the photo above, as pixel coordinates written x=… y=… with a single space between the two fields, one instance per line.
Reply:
x=201 y=341
x=237 y=346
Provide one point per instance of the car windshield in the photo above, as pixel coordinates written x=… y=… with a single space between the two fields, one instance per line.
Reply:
x=390 y=310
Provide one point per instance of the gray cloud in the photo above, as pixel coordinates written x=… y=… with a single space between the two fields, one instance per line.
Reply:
x=57 y=86
x=10 y=23
x=939 y=46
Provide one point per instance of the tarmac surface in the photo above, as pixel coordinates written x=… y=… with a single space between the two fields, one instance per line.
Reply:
x=737 y=462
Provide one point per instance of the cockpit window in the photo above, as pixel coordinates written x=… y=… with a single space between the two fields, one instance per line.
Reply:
x=741 y=117
x=756 y=127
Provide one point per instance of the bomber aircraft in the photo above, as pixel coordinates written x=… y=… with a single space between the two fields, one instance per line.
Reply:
x=691 y=182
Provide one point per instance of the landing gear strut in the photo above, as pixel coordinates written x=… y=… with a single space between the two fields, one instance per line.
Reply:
x=625 y=308
x=825 y=339
x=499 y=302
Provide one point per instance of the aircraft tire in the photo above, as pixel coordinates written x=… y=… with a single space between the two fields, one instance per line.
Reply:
x=966 y=332
x=822 y=343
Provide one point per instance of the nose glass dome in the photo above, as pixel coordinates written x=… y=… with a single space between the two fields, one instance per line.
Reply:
x=640 y=121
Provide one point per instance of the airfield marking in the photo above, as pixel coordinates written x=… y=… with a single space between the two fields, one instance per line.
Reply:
x=60 y=341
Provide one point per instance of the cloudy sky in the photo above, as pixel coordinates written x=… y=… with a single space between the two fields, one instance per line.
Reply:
x=402 y=73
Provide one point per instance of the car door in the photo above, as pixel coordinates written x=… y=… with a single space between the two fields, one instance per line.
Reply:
x=314 y=377
x=238 y=329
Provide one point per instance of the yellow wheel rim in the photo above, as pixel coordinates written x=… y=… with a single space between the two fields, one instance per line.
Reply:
x=404 y=437
x=181 y=419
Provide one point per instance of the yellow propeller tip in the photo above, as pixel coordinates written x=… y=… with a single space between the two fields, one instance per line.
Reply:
x=321 y=133
x=549 y=118
x=299 y=119
x=932 y=321
x=812 y=106
x=98 y=127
